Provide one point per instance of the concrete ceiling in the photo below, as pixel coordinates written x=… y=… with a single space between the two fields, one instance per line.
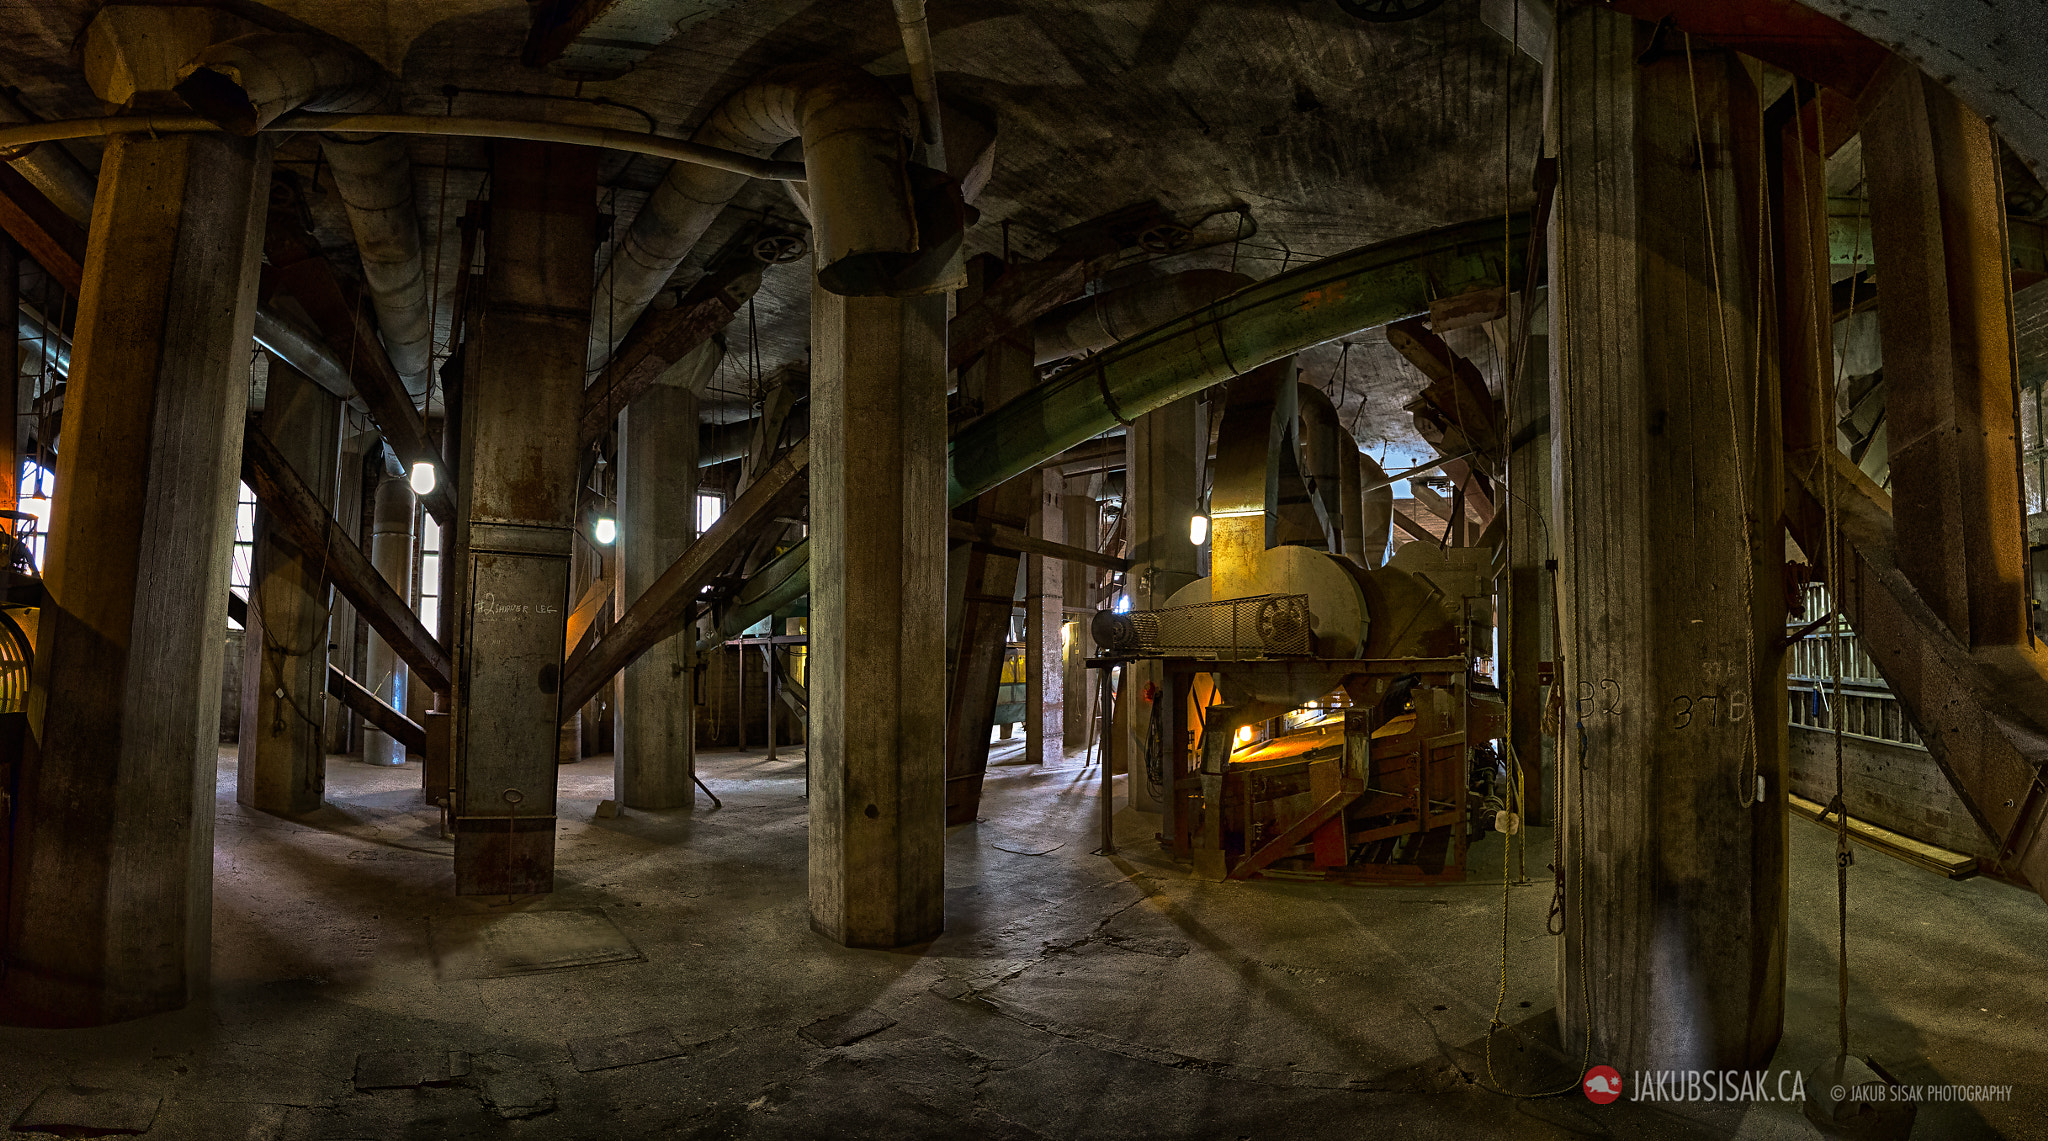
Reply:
x=1329 y=132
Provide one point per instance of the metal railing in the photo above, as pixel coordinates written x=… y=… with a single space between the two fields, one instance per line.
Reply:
x=1867 y=707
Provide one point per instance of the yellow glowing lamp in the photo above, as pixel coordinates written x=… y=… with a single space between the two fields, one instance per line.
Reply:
x=1244 y=735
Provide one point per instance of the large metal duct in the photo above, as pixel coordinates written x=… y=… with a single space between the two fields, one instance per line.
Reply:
x=1094 y=323
x=1323 y=443
x=246 y=82
x=857 y=188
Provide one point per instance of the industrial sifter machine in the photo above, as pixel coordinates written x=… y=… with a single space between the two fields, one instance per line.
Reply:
x=1316 y=714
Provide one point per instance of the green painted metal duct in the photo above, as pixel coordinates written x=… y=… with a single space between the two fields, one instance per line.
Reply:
x=1261 y=323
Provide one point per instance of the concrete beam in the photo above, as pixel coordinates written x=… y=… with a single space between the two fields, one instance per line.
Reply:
x=661 y=341
x=401 y=728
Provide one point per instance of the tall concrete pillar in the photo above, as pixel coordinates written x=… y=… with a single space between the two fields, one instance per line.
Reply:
x=878 y=624
x=1044 y=610
x=385 y=673
x=281 y=762
x=1081 y=517
x=1162 y=458
x=110 y=908
x=521 y=395
x=654 y=755
x=341 y=619
x=1667 y=528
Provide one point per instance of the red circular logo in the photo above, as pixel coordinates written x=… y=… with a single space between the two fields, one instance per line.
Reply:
x=1602 y=1085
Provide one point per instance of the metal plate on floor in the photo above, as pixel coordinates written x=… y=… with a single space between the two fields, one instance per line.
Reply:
x=527 y=942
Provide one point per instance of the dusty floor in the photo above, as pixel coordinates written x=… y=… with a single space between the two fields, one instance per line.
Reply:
x=1072 y=996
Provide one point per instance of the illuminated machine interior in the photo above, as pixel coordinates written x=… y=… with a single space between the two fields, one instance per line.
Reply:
x=1319 y=713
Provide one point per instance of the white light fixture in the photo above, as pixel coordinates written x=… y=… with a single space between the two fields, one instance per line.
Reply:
x=422 y=480
x=605 y=531
x=1198 y=529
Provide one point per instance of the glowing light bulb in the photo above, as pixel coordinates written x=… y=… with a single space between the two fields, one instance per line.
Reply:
x=422 y=479
x=1244 y=735
x=605 y=531
x=1198 y=529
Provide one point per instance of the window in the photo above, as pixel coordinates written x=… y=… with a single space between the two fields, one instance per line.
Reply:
x=36 y=484
x=709 y=508
x=241 y=572
x=430 y=573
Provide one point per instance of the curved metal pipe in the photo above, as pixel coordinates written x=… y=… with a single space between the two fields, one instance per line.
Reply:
x=304 y=352
x=1097 y=322
x=1282 y=315
x=247 y=83
x=51 y=169
x=778 y=584
x=469 y=126
x=1323 y=440
x=858 y=190
x=924 y=80
x=1376 y=510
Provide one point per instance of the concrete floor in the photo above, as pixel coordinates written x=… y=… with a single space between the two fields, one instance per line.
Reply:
x=1072 y=996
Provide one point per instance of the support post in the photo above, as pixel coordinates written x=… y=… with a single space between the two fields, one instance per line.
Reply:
x=1081 y=517
x=878 y=625
x=1528 y=616
x=1044 y=613
x=391 y=555
x=1677 y=923
x=522 y=393
x=981 y=578
x=110 y=913
x=281 y=762
x=1937 y=222
x=654 y=755
x=1160 y=500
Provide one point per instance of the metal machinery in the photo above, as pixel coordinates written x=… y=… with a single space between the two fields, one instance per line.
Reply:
x=1319 y=714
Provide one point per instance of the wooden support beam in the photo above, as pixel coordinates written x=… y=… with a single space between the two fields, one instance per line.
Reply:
x=655 y=614
x=343 y=319
x=1349 y=789
x=585 y=611
x=48 y=234
x=660 y=339
x=1014 y=539
x=1414 y=529
x=293 y=507
x=1020 y=296
x=401 y=728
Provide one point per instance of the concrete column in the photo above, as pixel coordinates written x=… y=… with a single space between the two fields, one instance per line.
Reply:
x=1937 y=222
x=1676 y=925
x=654 y=753
x=1081 y=517
x=509 y=571
x=10 y=398
x=281 y=762
x=110 y=909
x=878 y=625
x=385 y=673
x=341 y=620
x=1044 y=608
x=1162 y=456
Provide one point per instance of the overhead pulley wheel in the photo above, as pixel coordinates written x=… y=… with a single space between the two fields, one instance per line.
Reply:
x=1389 y=11
x=780 y=249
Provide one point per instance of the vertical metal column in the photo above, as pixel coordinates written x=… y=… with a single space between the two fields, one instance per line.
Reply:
x=522 y=395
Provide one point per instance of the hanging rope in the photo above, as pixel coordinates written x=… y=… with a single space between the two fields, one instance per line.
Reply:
x=1746 y=770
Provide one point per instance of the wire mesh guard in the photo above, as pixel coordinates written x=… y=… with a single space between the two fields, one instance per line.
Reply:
x=1262 y=626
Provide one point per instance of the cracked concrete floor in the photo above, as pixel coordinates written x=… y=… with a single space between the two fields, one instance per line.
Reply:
x=1071 y=995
